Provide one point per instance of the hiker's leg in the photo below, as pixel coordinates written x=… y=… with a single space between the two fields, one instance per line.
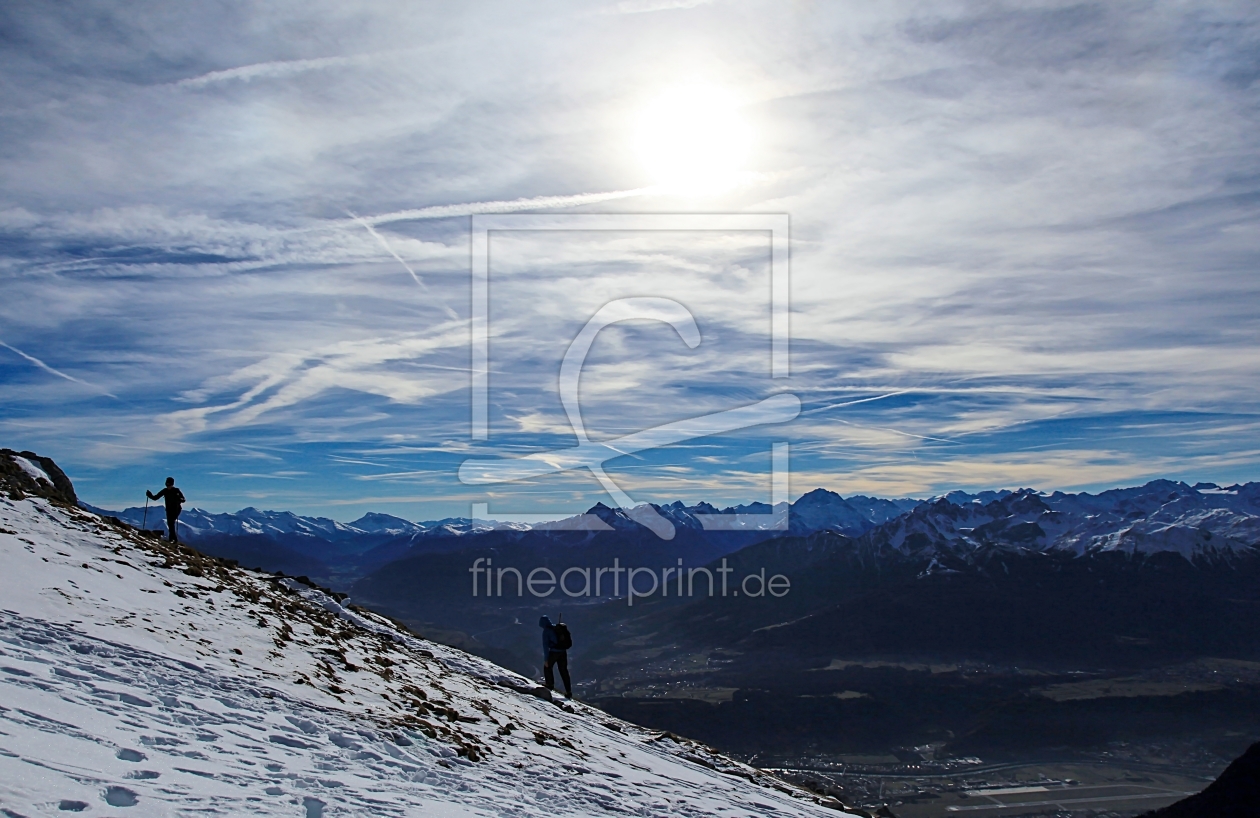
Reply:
x=548 y=675
x=563 y=661
x=170 y=526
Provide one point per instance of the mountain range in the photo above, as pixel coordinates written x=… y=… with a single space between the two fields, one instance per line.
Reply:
x=1161 y=516
x=818 y=510
x=1006 y=625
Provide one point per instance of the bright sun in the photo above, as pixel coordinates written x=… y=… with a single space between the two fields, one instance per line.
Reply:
x=692 y=140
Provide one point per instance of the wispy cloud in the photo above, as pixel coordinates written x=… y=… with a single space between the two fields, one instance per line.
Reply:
x=259 y=475
x=645 y=6
x=284 y=380
x=1022 y=241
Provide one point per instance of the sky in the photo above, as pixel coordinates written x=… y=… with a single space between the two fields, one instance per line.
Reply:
x=236 y=243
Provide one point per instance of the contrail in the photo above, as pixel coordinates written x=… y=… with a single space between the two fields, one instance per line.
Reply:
x=279 y=68
x=896 y=431
x=284 y=68
x=854 y=402
x=880 y=428
x=56 y=372
x=471 y=208
x=450 y=312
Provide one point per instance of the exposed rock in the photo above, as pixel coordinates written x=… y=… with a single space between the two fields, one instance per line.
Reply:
x=26 y=473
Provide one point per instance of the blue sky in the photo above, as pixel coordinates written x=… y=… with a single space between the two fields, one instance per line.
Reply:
x=1027 y=230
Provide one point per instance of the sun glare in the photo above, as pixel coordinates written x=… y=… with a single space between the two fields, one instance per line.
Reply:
x=693 y=140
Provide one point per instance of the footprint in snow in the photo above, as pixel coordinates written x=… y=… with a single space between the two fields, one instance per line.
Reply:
x=344 y=742
x=120 y=797
x=304 y=725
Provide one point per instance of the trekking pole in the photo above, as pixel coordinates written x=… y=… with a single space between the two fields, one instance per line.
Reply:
x=145 y=524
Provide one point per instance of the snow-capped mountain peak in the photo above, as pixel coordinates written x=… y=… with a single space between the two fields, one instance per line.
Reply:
x=377 y=523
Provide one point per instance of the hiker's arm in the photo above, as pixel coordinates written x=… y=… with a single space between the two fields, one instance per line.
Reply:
x=151 y=495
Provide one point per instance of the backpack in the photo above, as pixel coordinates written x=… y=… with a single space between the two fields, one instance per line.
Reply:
x=564 y=639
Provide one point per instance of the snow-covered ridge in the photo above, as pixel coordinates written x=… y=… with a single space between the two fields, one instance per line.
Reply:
x=1162 y=516
x=144 y=679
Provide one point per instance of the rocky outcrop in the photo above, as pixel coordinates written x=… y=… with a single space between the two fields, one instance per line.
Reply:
x=1236 y=794
x=25 y=473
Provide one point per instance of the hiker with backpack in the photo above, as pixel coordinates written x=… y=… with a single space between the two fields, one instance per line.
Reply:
x=174 y=505
x=556 y=642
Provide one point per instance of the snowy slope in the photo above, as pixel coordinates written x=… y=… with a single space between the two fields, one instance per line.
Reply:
x=142 y=679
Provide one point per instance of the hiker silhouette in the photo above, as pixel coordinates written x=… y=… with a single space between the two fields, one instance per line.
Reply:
x=174 y=499
x=556 y=643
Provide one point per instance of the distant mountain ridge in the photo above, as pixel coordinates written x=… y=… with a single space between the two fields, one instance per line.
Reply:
x=1160 y=516
x=252 y=521
x=817 y=510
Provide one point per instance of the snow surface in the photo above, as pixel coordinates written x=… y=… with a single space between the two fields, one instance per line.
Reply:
x=139 y=678
x=31 y=469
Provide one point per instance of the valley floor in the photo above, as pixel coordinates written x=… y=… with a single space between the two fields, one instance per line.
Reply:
x=1060 y=789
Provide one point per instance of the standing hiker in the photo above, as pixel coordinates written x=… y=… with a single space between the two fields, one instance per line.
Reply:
x=556 y=642
x=174 y=504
